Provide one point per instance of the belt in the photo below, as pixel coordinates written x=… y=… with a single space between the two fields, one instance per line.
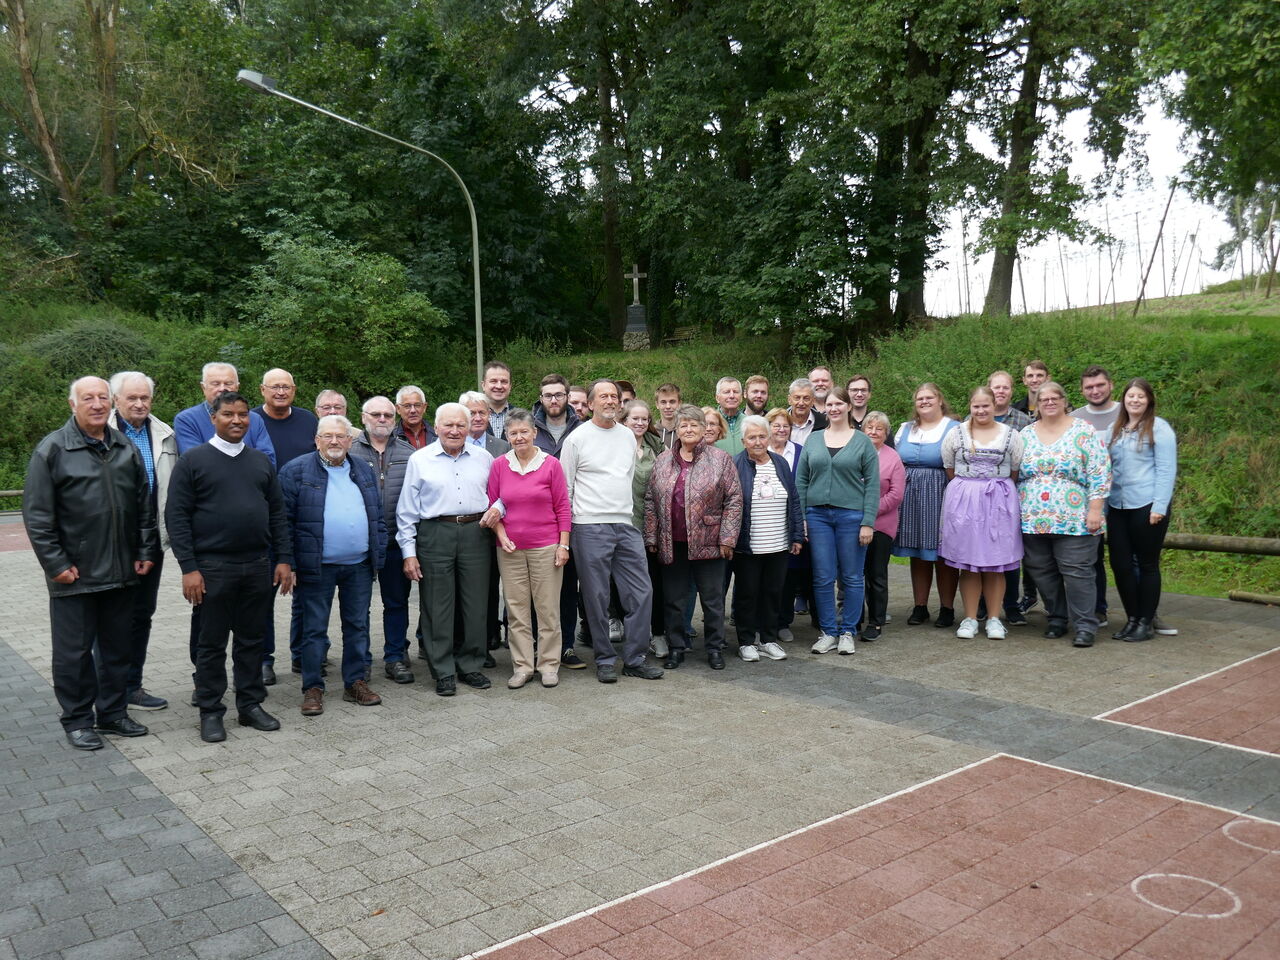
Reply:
x=460 y=518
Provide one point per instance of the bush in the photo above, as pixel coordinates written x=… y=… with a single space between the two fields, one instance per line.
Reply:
x=91 y=347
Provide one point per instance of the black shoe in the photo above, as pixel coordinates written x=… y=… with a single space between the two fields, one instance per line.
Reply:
x=946 y=617
x=1014 y=617
x=644 y=670
x=141 y=700
x=716 y=659
x=571 y=660
x=446 y=686
x=268 y=675
x=84 y=739
x=871 y=632
x=211 y=728
x=918 y=616
x=1141 y=631
x=296 y=666
x=475 y=679
x=1123 y=632
x=489 y=662
x=1055 y=630
x=125 y=726
x=674 y=659
x=1083 y=639
x=254 y=716
x=398 y=671
x=606 y=673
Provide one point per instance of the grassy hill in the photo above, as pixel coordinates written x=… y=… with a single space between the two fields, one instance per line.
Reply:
x=1212 y=358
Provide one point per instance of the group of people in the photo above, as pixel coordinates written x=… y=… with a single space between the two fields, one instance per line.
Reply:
x=591 y=505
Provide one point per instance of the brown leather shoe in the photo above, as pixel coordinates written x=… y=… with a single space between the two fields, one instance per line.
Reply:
x=360 y=693
x=313 y=702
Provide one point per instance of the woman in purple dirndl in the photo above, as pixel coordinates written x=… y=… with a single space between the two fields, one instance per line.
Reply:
x=981 y=533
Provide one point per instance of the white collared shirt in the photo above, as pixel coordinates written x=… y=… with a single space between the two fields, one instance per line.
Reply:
x=226 y=446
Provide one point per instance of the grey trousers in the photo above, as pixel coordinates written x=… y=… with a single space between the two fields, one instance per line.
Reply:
x=614 y=551
x=455 y=560
x=1062 y=567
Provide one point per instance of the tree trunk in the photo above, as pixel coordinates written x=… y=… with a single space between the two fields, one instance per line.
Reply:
x=102 y=33
x=1024 y=129
x=606 y=169
x=883 y=216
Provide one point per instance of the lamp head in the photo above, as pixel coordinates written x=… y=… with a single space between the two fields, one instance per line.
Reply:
x=256 y=81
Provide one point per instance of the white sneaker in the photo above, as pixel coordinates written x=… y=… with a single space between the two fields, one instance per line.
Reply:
x=615 y=629
x=968 y=629
x=749 y=653
x=1162 y=628
x=658 y=645
x=995 y=629
x=846 y=646
x=826 y=643
x=785 y=635
x=773 y=651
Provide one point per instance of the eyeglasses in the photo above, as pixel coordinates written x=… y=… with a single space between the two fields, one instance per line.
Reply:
x=334 y=437
x=381 y=416
x=554 y=396
x=413 y=406
x=279 y=388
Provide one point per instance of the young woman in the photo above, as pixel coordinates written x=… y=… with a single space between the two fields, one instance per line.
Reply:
x=637 y=418
x=1144 y=464
x=981 y=519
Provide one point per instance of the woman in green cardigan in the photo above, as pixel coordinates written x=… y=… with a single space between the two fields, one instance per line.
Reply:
x=838 y=479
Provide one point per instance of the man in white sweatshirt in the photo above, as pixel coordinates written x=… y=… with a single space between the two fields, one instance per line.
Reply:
x=598 y=460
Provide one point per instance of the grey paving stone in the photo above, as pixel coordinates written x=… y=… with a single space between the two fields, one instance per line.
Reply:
x=18 y=920
x=73 y=905
x=174 y=931
x=126 y=916
x=195 y=897
x=237 y=944
x=51 y=937
x=122 y=946
x=244 y=911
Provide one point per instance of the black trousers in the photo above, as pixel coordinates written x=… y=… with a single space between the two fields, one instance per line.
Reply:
x=144 y=608
x=875 y=575
x=237 y=601
x=758 y=594
x=657 y=624
x=799 y=583
x=78 y=624
x=1136 y=540
x=677 y=578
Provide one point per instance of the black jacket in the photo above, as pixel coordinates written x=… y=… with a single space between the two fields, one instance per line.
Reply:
x=544 y=440
x=89 y=510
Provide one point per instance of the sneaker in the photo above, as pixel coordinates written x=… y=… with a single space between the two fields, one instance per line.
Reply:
x=519 y=679
x=1026 y=603
x=846 y=646
x=615 y=629
x=749 y=653
x=826 y=643
x=919 y=614
x=968 y=629
x=606 y=673
x=1162 y=628
x=572 y=661
x=658 y=645
x=141 y=700
x=1015 y=617
x=643 y=670
x=870 y=632
x=946 y=617
x=692 y=634
x=785 y=635
x=995 y=629
x=773 y=651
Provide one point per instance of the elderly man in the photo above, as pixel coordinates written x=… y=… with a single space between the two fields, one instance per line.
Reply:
x=444 y=496
x=330 y=403
x=729 y=399
x=497 y=390
x=388 y=456
x=292 y=429
x=411 y=404
x=339 y=541
x=132 y=393
x=804 y=418
x=87 y=509
x=599 y=459
x=226 y=517
x=194 y=425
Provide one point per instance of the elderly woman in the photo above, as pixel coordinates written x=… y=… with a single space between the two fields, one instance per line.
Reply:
x=799 y=581
x=1064 y=481
x=772 y=532
x=533 y=541
x=637 y=417
x=692 y=516
x=1144 y=465
x=717 y=426
x=893 y=484
x=919 y=444
x=839 y=485
x=981 y=520
x=780 y=441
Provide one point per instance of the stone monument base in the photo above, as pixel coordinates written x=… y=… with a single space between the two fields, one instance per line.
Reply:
x=635 y=340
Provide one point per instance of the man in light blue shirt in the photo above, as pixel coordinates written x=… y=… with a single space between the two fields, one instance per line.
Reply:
x=444 y=497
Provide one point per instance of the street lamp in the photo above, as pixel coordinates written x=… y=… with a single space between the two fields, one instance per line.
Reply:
x=256 y=81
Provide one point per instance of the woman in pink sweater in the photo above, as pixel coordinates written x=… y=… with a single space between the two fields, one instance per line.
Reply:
x=893 y=483
x=533 y=537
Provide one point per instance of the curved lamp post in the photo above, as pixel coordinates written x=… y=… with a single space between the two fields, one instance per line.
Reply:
x=256 y=81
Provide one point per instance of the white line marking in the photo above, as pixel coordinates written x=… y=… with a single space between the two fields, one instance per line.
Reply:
x=733 y=856
x=1187 y=736
x=1235 y=901
x=1226 y=830
x=1184 y=683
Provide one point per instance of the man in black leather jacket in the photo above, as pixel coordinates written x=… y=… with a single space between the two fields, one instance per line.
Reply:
x=87 y=510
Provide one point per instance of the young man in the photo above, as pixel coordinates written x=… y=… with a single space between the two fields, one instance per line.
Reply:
x=578 y=400
x=1001 y=384
x=1034 y=375
x=859 y=388
x=822 y=382
x=552 y=415
x=1099 y=411
x=497 y=390
x=757 y=394
x=667 y=398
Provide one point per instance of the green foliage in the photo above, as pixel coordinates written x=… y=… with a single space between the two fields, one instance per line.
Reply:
x=91 y=346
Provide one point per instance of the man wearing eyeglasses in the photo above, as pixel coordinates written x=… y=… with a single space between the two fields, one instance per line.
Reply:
x=339 y=540
x=292 y=429
x=387 y=456
x=411 y=404
x=330 y=403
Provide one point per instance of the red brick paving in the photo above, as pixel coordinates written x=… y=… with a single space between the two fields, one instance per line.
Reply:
x=1238 y=706
x=1002 y=859
x=13 y=536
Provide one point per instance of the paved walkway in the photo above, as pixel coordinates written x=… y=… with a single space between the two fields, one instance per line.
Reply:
x=434 y=828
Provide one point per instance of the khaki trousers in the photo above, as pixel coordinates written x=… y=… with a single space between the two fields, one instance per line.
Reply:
x=531 y=581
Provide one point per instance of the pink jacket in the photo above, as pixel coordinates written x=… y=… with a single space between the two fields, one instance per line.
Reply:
x=893 y=484
x=713 y=503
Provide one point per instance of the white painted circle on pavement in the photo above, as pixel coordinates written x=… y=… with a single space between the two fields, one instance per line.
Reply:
x=1235 y=901
x=1246 y=821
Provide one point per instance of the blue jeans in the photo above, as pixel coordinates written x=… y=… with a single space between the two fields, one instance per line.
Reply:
x=354 y=583
x=394 y=587
x=833 y=540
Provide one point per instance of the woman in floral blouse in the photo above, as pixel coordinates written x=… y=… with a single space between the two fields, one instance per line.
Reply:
x=1064 y=482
